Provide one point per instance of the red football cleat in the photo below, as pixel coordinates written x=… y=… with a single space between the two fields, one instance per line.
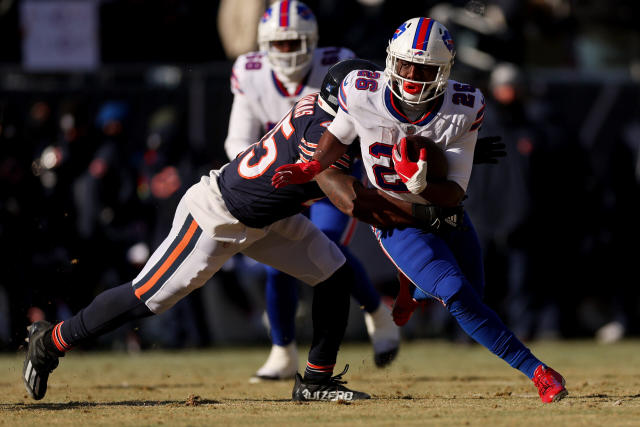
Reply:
x=405 y=304
x=550 y=384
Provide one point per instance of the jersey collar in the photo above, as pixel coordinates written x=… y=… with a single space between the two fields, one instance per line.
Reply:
x=282 y=90
x=390 y=102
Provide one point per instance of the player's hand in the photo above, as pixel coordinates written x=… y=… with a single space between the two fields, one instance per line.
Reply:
x=413 y=174
x=296 y=173
x=488 y=150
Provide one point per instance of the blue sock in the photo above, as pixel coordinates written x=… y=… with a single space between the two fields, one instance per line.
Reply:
x=484 y=326
x=363 y=290
x=282 y=302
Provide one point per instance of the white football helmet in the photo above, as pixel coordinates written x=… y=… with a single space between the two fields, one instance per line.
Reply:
x=288 y=20
x=423 y=41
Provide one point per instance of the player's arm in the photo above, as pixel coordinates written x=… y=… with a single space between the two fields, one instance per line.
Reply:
x=443 y=193
x=328 y=151
x=366 y=204
x=245 y=124
x=375 y=207
x=460 y=159
x=244 y=127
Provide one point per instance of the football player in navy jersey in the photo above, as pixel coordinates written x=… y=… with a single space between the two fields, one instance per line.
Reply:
x=265 y=85
x=414 y=96
x=236 y=210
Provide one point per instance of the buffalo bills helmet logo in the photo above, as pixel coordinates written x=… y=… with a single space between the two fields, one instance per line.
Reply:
x=266 y=15
x=448 y=41
x=304 y=12
x=399 y=31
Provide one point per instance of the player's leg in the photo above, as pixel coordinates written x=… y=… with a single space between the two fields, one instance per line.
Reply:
x=384 y=334
x=428 y=261
x=296 y=247
x=328 y=331
x=186 y=259
x=281 y=293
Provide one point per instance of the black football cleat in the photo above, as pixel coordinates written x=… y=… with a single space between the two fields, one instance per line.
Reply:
x=39 y=362
x=331 y=390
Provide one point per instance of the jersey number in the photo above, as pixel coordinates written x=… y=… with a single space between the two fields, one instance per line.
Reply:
x=248 y=167
x=367 y=83
x=465 y=99
x=382 y=173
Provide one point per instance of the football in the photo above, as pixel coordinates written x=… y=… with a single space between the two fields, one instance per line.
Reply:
x=437 y=166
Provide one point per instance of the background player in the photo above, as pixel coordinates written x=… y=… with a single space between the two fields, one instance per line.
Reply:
x=415 y=96
x=265 y=85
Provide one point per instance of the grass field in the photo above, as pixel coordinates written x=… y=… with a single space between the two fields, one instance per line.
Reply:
x=431 y=383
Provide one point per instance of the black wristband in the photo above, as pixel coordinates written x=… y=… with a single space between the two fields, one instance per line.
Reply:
x=426 y=214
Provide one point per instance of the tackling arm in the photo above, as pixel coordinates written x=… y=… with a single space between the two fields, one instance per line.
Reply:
x=329 y=150
x=374 y=206
x=443 y=193
x=368 y=205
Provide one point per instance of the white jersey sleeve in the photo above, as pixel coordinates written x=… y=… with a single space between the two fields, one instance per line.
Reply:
x=245 y=124
x=343 y=126
x=460 y=148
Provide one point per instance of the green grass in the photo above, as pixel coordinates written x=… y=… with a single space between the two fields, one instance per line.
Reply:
x=431 y=383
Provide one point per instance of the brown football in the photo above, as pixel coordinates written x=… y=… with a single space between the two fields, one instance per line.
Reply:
x=437 y=166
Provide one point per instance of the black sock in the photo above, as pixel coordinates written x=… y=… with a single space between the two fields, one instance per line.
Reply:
x=109 y=310
x=330 y=312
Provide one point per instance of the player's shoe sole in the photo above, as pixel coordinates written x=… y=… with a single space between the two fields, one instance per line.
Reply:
x=39 y=362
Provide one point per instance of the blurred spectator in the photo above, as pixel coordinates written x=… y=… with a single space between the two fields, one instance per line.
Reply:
x=238 y=25
x=163 y=175
x=110 y=218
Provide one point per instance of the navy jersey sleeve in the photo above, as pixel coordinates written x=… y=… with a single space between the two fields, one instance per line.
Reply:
x=245 y=183
x=309 y=143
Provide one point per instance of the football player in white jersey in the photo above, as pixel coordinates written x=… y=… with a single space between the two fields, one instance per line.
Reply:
x=265 y=85
x=415 y=96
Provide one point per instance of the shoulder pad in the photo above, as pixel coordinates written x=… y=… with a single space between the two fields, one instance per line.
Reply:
x=245 y=68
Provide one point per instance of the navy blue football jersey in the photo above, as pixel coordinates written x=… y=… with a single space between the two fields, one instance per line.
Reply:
x=245 y=183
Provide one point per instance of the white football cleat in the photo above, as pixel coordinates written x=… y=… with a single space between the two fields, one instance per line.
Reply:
x=384 y=335
x=282 y=364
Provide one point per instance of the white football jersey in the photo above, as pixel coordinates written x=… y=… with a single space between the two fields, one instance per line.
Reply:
x=261 y=99
x=369 y=110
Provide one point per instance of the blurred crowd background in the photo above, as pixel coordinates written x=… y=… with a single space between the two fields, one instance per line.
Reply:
x=111 y=109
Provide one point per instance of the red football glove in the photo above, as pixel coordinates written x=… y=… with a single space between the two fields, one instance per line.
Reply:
x=295 y=173
x=413 y=174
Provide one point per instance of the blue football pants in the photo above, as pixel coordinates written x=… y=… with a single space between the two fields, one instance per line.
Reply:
x=448 y=266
